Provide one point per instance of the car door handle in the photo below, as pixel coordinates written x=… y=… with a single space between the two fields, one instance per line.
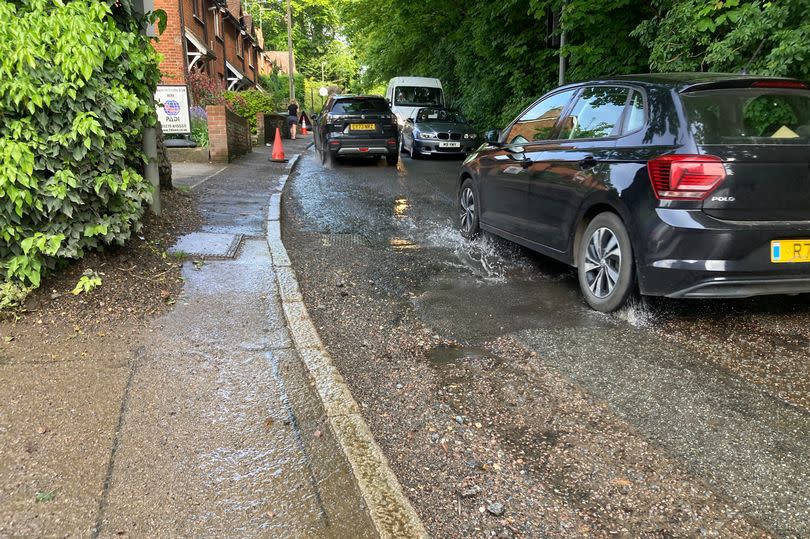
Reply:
x=587 y=162
x=526 y=163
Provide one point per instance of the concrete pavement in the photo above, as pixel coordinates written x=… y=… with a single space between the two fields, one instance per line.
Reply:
x=215 y=426
x=220 y=432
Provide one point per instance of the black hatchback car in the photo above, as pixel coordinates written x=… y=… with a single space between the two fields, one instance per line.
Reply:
x=681 y=185
x=357 y=125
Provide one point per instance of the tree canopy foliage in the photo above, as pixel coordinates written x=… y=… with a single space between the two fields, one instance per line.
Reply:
x=318 y=48
x=495 y=57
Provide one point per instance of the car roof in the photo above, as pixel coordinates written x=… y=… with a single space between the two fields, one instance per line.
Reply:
x=357 y=96
x=684 y=81
x=427 y=82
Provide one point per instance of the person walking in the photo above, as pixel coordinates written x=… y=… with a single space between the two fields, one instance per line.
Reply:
x=292 y=112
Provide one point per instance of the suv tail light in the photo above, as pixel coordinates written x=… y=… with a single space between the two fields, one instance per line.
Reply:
x=685 y=177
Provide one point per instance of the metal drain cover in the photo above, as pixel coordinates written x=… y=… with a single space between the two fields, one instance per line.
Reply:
x=343 y=241
x=208 y=244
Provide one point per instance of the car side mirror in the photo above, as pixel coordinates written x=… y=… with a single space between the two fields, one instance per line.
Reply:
x=315 y=117
x=493 y=136
x=410 y=120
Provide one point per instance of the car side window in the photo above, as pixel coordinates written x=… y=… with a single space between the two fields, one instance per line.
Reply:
x=538 y=122
x=634 y=115
x=596 y=114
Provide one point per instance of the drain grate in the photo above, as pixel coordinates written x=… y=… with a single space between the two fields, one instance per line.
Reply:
x=208 y=245
x=343 y=241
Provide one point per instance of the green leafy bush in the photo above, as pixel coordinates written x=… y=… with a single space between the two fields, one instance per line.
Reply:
x=76 y=88
x=199 y=126
x=248 y=102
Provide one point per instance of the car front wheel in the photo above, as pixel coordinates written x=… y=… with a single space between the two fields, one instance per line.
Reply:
x=468 y=210
x=605 y=263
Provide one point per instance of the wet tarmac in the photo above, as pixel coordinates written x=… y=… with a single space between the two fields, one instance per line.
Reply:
x=721 y=387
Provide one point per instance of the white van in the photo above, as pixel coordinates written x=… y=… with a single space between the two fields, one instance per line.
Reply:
x=406 y=94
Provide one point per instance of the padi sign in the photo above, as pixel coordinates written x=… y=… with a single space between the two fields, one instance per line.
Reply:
x=172 y=109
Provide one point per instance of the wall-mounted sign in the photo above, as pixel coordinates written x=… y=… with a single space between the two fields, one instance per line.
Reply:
x=172 y=109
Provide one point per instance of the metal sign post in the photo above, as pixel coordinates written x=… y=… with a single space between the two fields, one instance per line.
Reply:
x=149 y=141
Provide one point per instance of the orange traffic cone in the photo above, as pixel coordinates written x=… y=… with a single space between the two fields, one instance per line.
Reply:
x=304 y=126
x=278 y=148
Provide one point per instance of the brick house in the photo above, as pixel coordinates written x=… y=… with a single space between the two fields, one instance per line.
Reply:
x=213 y=36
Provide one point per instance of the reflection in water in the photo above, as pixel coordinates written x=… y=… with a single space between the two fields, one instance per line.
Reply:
x=402 y=244
x=401 y=205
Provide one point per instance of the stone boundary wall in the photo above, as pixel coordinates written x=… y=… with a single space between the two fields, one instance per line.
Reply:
x=228 y=134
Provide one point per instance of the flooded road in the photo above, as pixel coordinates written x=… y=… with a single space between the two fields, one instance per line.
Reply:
x=701 y=407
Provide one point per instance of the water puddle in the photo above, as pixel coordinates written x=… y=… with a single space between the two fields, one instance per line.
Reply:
x=449 y=354
x=403 y=244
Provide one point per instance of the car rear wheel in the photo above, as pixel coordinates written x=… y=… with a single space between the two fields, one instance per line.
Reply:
x=468 y=210
x=392 y=159
x=605 y=263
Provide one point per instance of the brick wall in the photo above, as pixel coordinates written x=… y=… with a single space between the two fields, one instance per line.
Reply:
x=181 y=19
x=170 y=45
x=228 y=134
x=195 y=22
x=238 y=135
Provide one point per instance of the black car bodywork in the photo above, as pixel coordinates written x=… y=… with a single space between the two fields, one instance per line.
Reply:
x=751 y=183
x=357 y=125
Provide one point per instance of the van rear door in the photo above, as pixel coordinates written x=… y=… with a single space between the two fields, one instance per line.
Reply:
x=762 y=134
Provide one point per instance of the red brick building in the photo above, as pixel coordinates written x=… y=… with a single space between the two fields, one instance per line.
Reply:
x=213 y=36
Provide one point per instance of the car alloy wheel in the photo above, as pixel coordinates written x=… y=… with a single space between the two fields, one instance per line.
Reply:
x=603 y=262
x=468 y=218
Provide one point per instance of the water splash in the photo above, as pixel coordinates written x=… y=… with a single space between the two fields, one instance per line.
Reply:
x=637 y=313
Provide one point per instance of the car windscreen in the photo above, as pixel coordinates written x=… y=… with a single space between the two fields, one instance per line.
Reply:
x=749 y=116
x=359 y=106
x=413 y=96
x=440 y=115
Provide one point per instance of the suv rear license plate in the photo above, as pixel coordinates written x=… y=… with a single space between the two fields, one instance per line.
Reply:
x=787 y=251
x=362 y=127
x=449 y=145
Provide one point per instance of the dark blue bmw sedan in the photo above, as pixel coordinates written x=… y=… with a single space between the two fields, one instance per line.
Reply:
x=689 y=185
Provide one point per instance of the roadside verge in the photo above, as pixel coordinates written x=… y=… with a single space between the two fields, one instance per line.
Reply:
x=391 y=512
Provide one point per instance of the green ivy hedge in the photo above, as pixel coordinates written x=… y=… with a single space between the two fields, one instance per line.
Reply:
x=247 y=103
x=76 y=88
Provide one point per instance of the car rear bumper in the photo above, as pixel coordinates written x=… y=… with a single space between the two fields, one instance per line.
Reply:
x=688 y=254
x=729 y=287
x=363 y=146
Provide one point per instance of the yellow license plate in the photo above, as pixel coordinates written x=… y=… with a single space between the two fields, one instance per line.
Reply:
x=362 y=127
x=787 y=251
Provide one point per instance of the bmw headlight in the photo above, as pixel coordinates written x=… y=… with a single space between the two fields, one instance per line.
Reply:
x=470 y=136
x=428 y=136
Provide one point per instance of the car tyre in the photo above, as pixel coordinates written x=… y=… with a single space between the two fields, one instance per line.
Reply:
x=468 y=208
x=392 y=158
x=605 y=263
x=414 y=154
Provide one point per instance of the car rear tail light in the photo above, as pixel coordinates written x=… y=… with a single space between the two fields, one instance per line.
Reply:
x=781 y=84
x=685 y=177
x=391 y=142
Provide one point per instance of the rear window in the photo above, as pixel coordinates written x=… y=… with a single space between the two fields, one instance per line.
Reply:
x=359 y=106
x=749 y=116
